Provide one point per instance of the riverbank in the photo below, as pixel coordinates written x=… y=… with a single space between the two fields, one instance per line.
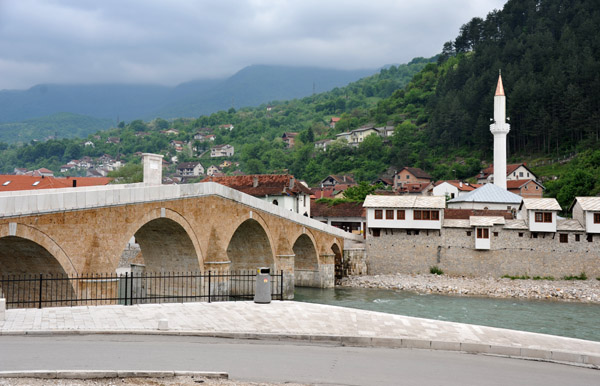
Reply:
x=587 y=291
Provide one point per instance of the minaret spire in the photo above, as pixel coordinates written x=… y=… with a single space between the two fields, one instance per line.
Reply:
x=500 y=129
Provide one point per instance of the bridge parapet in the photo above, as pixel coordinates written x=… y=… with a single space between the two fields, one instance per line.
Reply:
x=25 y=203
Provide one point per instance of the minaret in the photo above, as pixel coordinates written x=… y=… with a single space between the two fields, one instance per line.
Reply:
x=499 y=129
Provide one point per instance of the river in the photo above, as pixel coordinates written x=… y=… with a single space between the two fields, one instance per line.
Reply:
x=574 y=320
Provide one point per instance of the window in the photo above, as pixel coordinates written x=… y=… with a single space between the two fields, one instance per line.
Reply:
x=378 y=214
x=389 y=214
x=468 y=233
x=495 y=234
x=426 y=215
x=408 y=176
x=375 y=232
x=6 y=183
x=400 y=214
x=534 y=235
x=590 y=238
x=417 y=215
x=520 y=174
x=564 y=238
x=483 y=233
x=577 y=237
x=543 y=216
x=596 y=218
x=520 y=234
x=36 y=183
x=435 y=215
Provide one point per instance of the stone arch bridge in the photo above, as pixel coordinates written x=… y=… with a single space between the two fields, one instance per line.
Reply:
x=180 y=228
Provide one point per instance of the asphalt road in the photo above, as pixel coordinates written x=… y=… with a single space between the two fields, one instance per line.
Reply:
x=282 y=362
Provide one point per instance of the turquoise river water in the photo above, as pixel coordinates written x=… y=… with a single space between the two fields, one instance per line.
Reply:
x=575 y=320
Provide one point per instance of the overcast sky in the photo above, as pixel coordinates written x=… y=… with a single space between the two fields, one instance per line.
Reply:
x=173 y=41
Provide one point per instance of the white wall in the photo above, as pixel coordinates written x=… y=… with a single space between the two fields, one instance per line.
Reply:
x=482 y=205
x=408 y=223
x=541 y=226
x=590 y=227
x=446 y=189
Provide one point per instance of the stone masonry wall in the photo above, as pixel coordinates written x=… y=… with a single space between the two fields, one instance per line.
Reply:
x=454 y=252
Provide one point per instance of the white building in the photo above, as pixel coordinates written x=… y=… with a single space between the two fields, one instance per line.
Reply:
x=587 y=211
x=488 y=196
x=221 y=151
x=452 y=189
x=404 y=212
x=190 y=169
x=540 y=214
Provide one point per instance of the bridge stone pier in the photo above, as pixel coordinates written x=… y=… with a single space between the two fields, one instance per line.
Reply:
x=180 y=228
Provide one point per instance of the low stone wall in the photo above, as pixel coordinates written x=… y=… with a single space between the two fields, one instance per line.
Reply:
x=512 y=252
x=355 y=262
x=322 y=278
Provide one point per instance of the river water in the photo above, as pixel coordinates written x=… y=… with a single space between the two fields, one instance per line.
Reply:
x=574 y=320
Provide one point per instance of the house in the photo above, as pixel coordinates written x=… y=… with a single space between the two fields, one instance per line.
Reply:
x=331 y=191
x=540 y=214
x=89 y=143
x=9 y=182
x=411 y=213
x=410 y=175
x=141 y=134
x=170 y=132
x=418 y=188
x=221 y=151
x=488 y=196
x=336 y=179
x=282 y=190
x=178 y=145
x=525 y=188
x=190 y=169
x=385 y=181
x=66 y=168
x=344 y=136
x=20 y=171
x=359 y=135
x=113 y=140
x=213 y=170
x=226 y=127
x=586 y=210
x=333 y=121
x=385 y=131
x=452 y=188
x=289 y=139
x=349 y=216
x=513 y=172
x=323 y=143
x=210 y=137
x=43 y=172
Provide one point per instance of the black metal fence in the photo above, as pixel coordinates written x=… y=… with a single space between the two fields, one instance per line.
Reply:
x=37 y=291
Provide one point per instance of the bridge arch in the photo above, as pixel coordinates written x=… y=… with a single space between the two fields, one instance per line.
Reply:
x=251 y=246
x=167 y=242
x=27 y=250
x=305 y=251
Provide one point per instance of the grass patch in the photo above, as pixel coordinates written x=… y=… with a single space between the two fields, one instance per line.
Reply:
x=543 y=278
x=435 y=270
x=582 y=276
x=523 y=277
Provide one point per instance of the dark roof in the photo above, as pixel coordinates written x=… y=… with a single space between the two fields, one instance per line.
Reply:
x=417 y=172
x=344 y=209
x=342 y=178
x=464 y=214
x=509 y=169
x=262 y=184
x=187 y=165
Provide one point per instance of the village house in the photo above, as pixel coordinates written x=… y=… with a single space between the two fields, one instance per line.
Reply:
x=228 y=126
x=359 y=135
x=513 y=172
x=170 y=132
x=337 y=179
x=452 y=188
x=225 y=164
x=213 y=170
x=488 y=196
x=113 y=140
x=178 y=145
x=333 y=121
x=282 y=190
x=525 y=188
x=289 y=139
x=417 y=188
x=410 y=175
x=221 y=151
x=385 y=131
x=190 y=169
x=586 y=210
x=322 y=144
x=349 y=216
x=89 y=143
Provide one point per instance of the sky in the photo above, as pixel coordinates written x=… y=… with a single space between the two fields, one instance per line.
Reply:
x=173 y=41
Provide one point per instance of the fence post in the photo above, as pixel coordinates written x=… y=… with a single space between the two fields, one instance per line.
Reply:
x=40 y=292
x=126 y=277
x=209 y=286
x=281 y=285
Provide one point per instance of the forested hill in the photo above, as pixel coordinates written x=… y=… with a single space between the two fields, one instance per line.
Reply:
x=549 y=54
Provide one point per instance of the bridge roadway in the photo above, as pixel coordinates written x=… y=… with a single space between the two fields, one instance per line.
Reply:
x=180 y=228
x=291 y=324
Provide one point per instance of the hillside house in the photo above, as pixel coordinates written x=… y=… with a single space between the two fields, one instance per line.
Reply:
x=113 y=140
x=513 y=172
x=89 y=143
x=359 y=135
x=213 y=170
x=225 y=164
x=228 y=126
x=282 y=190
x=322 y=144
x=221 y=151
x=178 y=145
x=385 y=131
x=525 y=188
x=338 y=179
x=410 y=175
x=333 y=121
x=289 y=139
x=170 y=132
x=190 y=169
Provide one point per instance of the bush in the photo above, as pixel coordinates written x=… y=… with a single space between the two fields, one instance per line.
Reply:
x=435 y=270
x=582 y=276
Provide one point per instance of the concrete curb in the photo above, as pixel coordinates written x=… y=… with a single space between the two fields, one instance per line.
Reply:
x=95 y=374
x=528 y=353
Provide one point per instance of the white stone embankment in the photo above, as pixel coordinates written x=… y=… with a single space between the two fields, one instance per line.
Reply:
x=587 y=291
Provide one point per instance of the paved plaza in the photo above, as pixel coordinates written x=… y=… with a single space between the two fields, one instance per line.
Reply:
x=291 y=320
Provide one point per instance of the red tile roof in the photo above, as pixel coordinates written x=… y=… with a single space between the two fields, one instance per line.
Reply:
x=344 y=209
x=262 y=184
x=417 y=172
x=12 y=183
x=465 y=186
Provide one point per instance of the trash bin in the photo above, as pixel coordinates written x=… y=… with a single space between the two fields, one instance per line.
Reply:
x=263 y=286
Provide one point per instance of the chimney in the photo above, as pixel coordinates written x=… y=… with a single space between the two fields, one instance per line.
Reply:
x=460 y=184
x=254 y=181
x=292 y=183
x=74 y=183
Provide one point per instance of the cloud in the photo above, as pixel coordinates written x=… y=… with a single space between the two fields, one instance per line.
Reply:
x=152 y=41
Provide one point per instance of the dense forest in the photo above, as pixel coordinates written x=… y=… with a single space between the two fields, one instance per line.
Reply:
x=549 y=55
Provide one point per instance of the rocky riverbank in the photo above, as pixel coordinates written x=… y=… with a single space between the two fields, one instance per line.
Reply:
x=587 y=291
